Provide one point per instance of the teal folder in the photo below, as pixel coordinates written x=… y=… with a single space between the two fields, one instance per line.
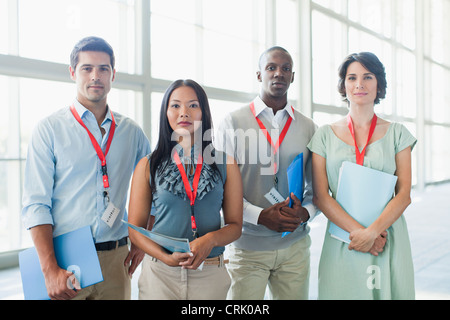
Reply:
x=295 y=181
x=363 y=193
x=75 y=251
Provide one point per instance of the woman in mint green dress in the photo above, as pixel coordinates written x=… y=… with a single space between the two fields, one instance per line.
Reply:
x=377 y=264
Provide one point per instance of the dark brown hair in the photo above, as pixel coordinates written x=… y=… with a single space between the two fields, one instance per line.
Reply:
x=371 y=63
x=91 y=44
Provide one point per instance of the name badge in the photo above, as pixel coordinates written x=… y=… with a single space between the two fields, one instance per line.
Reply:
x=273 y=196
x=110 y=214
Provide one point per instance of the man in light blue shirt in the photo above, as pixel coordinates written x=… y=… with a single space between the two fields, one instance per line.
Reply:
x=67 y=185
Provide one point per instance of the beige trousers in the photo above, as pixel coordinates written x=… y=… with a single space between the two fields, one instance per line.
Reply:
x=116 y=284
x=159 y=281
x=285 y=271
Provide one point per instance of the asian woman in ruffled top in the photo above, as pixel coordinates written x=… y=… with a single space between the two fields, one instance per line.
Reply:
x=195 y=192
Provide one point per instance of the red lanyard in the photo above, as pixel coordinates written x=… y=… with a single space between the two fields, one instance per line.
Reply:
x=97 y=148
x=191 y=193
x=266 y=133
x=360 y=155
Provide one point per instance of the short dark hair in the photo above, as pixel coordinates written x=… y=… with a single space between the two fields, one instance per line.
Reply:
x=369 y=61
x=91 y=44
x=274 y=48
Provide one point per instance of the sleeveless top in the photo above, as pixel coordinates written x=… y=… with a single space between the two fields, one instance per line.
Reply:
x=173 y=212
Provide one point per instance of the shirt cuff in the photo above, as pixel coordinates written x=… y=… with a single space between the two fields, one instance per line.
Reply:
x=36 y=215
x=251 y=213
x=311 y=210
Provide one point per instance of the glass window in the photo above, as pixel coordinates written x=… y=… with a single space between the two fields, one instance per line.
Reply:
x=224 y=18
x=220 y=108
x=375 y=15
x=362 y=41
x=322 y=118
x=38 y=99
x=405 y=86
x=287 y=25
x=204 y=45
x=4 y=28
x=180 y=10
x=233 y=67
x=69 y=21
x=405 y=18
x=437 y=29
x=10 y=205
x=438 y=153
x=287 y=35
x=439 y=95
x=229 y=59
x=327 y=55
x=175 y=53
x=127 y=103
x=9 y=121
x=335 y=5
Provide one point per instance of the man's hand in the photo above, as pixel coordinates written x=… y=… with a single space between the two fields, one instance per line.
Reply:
x=281 y=218
x=61 y=284
x=134 y=258
x=297 y=209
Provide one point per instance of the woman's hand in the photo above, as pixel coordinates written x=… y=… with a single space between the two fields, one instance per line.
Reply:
x=200 y=250
x=177 y=258
x=362 y=239
x=379 y=244
x=366 y=240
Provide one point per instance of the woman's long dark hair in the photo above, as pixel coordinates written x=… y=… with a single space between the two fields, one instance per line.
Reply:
x=162 y=153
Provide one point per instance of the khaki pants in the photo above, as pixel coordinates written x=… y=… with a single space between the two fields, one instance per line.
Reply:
x=159 y=281
x=286 y=271
x=116 y=284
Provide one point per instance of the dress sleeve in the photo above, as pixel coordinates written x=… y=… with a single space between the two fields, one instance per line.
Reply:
x=403 y=139
x=318 y=142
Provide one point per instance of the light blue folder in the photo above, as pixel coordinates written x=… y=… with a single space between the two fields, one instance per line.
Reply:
x=363 y=193
x=295 y=180
x=170 y=243
x=75 y=251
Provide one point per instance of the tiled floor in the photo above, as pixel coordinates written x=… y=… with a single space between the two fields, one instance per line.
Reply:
x=428 y=219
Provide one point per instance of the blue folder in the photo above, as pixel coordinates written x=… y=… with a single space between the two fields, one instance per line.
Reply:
x=363 y=193
x=295 y=180
x=170 y=243
x=75 y=251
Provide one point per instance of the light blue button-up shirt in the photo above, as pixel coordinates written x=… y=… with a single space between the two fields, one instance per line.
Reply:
x=63 y=183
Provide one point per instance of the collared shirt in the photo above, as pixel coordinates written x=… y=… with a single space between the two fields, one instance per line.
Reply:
x=225 y=142
x=63 y=184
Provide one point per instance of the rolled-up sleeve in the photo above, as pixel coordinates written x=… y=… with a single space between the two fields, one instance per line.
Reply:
x=39 y=178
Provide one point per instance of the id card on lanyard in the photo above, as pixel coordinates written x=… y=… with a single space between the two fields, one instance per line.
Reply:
x=111 y=212
x=190 y=192
x=269 y=138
